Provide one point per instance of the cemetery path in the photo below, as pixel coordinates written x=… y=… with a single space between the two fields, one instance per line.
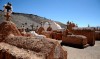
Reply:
x=90 y=52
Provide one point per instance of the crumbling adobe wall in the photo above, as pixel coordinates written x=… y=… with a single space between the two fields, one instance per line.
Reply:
x=78 y=40
x=53 y=34
x=47 y=34
x=40 y=30
x=8 y=51
x=57 y=35
x=90 y=34
x=51 y=49
x=97 y=35
x=7 y=28
x=16 y=46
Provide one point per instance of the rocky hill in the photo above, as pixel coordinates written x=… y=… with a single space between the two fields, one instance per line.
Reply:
x=15 y=46
x=22 y=19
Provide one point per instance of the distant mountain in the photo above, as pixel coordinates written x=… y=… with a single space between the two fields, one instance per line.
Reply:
x=22 y=19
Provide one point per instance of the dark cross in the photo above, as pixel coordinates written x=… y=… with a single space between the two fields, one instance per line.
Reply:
x=41 y=23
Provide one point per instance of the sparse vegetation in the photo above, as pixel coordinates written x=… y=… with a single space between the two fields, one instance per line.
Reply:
x=27 y=19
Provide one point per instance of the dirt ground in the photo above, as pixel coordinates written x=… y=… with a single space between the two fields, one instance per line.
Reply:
x=90 y=52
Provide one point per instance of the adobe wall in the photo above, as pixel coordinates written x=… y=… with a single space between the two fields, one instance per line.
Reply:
x=49 y=48
x=56 y=35
x=8 y=51
x=97 y=35
x=90 y=34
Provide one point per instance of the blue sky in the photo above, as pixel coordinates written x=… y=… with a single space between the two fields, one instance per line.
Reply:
x=81 y=12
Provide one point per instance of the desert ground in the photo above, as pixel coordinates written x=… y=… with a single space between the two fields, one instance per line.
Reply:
x=90 y=52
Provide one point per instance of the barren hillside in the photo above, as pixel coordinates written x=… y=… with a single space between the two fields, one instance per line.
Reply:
x=27 y=19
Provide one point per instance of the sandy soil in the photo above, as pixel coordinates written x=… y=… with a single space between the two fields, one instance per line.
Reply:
x=90 y=52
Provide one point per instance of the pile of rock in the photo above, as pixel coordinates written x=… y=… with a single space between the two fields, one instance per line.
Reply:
x=8 y=28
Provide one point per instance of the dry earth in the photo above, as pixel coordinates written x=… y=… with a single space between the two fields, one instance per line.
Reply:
x=90 y=52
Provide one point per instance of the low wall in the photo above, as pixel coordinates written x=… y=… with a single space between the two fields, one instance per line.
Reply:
x=97 y=35
x=78 y=40
x=8 y=51
x=49 y=48
x=47 y=34
x=57 y=35
x=90 y=34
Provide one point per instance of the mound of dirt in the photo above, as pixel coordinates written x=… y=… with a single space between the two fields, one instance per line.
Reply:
x=7 y=28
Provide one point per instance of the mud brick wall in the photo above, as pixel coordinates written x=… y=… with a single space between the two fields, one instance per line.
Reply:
x=49 y=48
x=53 y=35
x=90 y=34
x=47 y=34
x=8 y=51
x=2 y=37
x=40 y=30
x=57 y=35
x=57 y=52
x=97 y=35
x=6 y=55
x=78 y=40
x=9 y=27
